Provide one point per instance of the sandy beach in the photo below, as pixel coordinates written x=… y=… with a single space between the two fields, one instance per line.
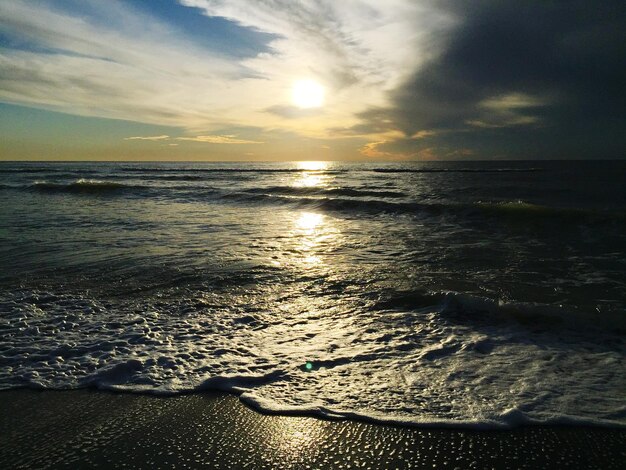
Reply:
x=88 y=429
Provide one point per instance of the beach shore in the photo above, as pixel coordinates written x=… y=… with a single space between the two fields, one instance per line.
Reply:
x=87 y=429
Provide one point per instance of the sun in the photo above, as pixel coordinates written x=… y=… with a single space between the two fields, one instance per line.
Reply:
x=307 y=94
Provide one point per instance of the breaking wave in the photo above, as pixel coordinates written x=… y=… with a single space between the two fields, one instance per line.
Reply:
x=518 y=210
x=402 y=365
x=84 y=186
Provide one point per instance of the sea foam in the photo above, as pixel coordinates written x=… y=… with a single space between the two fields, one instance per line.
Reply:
x=461 y=361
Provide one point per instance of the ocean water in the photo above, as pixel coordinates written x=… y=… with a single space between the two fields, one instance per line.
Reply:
x=459 y=294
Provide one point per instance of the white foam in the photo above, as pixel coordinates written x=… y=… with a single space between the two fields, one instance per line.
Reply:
x=464 y=362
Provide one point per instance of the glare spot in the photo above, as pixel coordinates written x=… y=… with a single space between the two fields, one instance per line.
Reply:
x=309 y=366
x=309 y=260
x=312 y=165
x=309 y=181
x=313 y=174
x=307 y=94
x=309 y=220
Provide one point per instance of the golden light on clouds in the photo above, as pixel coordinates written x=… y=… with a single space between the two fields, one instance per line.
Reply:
x=307 y=94
x=362 y=79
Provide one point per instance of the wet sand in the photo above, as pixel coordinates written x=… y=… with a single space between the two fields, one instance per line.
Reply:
x=87 y=429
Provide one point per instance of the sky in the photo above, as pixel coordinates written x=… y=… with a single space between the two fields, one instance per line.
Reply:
x=312 y=80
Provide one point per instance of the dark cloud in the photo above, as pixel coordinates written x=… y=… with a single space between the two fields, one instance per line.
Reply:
x=532 y=78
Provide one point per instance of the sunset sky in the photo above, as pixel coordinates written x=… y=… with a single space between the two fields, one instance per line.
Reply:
x=312 y=80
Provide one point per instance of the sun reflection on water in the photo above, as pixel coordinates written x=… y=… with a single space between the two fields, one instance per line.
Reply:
x=311 y=180
x=315 y=236
x=312 y=166
x=313 y=176
x=310 y=260
x=295 y=437
x=312 y=233
x=309 y=221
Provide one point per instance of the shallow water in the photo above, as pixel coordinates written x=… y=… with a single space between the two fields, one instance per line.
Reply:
x=486 y=294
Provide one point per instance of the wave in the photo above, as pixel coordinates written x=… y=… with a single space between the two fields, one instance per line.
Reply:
x=127 y=357
x=468 y=308
x=232 y=170
x=455 y=170
x=510 y=418
x=243 y=386
x=337 y=199
x=526 y=210
x=513 y=210
x=329 y=170
x=26 y=170
x=320 y=191
x=83 y=186
x=180 y=177
x=413 y=328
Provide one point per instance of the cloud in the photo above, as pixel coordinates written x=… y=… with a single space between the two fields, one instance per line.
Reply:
x=377 y=150
x=508 y=110
x=154 y=137
x=525 y=79
x=531 y=79
x=209 y=139
x=111 y=62
x=343 y=41
x=115 y=61
x=413 y=149
x=219 y=139
x=423 y=134
x=358 y=50
x=294 y=112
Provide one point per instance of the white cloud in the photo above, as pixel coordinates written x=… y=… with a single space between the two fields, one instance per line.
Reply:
x=120 y=63
x=153 y=137
x=358 y=49
x=209 y=139
x=219 y=139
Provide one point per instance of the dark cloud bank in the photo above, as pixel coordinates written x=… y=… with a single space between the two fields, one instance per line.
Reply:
x=524 y=79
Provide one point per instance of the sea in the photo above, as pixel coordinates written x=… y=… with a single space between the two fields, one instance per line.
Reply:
x=462 y=294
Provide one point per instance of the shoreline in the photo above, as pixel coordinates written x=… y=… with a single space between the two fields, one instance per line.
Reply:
x=89 y=428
